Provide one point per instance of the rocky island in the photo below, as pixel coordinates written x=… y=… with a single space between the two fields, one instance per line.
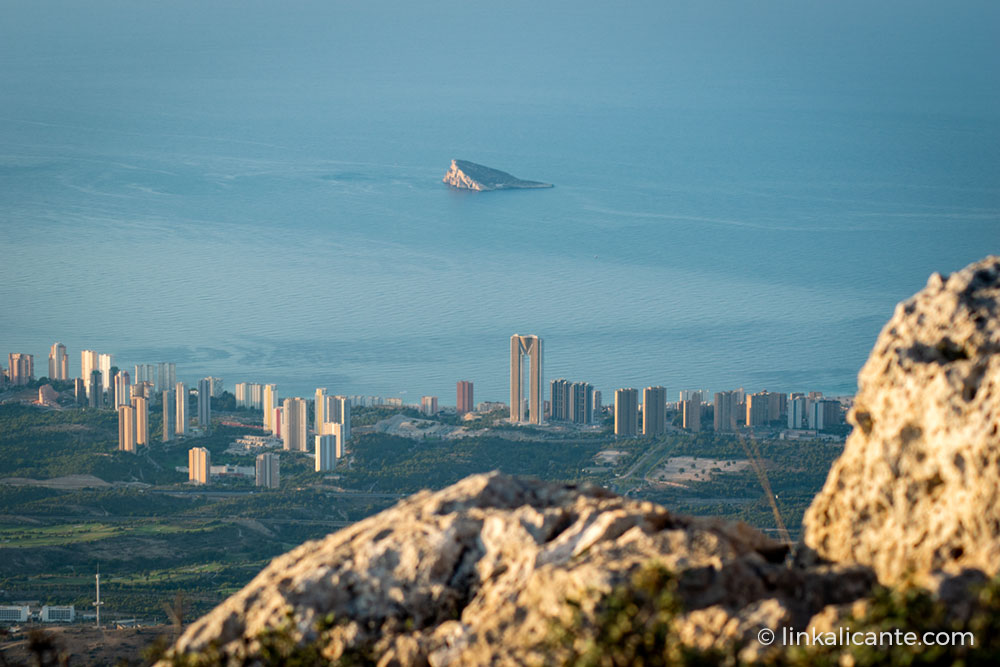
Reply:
x=466 y=175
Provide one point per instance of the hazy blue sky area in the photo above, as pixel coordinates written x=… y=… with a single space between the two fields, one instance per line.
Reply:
x=744 y=190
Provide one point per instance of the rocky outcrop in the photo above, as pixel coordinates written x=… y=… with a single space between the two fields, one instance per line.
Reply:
x=466 y=175
x=477 y=573
x=917 y=490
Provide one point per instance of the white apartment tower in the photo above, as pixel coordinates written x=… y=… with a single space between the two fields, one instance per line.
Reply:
x=326 y=451
x=199 y=465
x=269 y=405
x=338 y=411
x=295 y=426
x=126 y=428
x=123 y=388
x=627 y=412
x=319 y=408
x=181 y=399
x=654 y=411
x=268 y=471
x=58 y=362
x=88 y=364
x=104 y=363
x=141 y=407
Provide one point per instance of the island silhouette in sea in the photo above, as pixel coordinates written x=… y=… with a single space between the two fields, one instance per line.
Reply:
x=466 y=175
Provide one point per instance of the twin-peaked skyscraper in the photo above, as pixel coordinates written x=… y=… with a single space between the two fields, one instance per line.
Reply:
x=533 y=411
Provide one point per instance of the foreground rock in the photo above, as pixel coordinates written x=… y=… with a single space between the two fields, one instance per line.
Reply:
x=466 y=175
x=477 y=573
x=916 y=492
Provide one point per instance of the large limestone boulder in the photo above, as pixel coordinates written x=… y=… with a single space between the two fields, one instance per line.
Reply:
x=916 y=493
x=477 y=573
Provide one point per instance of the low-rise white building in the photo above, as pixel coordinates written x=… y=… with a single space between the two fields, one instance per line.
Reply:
x=10 y=613
x=58 y=614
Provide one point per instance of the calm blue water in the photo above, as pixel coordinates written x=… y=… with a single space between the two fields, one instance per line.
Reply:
x=742 y=193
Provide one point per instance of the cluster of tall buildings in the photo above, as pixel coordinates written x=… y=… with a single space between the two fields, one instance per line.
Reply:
x=580 y=403
x=21 y=366
x=575 y=402
x=133 y=416
x=654 y=411
x=289 y=421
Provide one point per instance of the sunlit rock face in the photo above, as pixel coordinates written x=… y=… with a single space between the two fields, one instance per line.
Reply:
x=477 y=573
x=916 y=492
x=466 y=175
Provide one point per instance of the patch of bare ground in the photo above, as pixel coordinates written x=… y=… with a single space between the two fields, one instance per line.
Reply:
x=83 y=644
x=680 y=469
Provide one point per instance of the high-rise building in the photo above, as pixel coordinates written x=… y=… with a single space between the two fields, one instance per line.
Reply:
x=145 y=373
x=88 y=364
x=463 y=400
x=169 y=415
x=581 y=403
x=80 y=391
x=326 y=450
x=199 y=465
x=58 y=362
x=824 y=414
x=429 y=405
x=242 y=391
x=181 y=401
x=140 y=407
x=249 y=395
x=166 y=376
x=278 y=422
x=268 y=471
x=215 y=387
x=797 y=412
x=319 y=409
x=205 y=404
x=654 y=411
x=144 y=389
x=725 y=411
x=95 y=395
x=123 y=388
x=559 y=400
x=269 y=405
x=758 y=409
x=295 y=426
x=336 y=430
x=338 y=411
x=21 y=368
x=105 y=362
x=627 y=412
x=598 y=407
x=777 y=405
x=126 y=428
x=688 y=394
x=521 y=347
x=691 y=413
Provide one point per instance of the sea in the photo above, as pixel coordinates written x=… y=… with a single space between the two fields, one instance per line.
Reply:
x=743 y=191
